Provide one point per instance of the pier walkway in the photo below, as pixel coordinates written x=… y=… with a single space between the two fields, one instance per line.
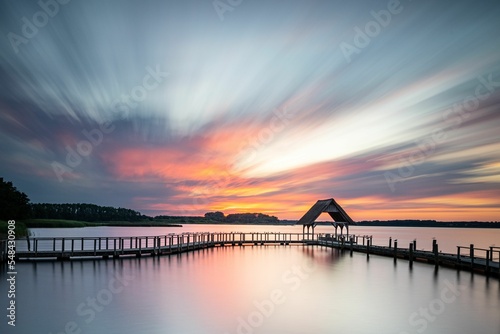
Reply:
x=486 y=261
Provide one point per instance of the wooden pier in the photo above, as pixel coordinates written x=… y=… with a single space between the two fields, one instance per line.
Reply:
x=63 y=248
x=481 y=260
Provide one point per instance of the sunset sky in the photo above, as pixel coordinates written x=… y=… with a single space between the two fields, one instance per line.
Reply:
x=183 y=107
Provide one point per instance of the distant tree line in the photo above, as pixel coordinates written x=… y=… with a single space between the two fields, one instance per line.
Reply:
x=428 y=223
x=180 y=219
x=241 y=218
x=84 y=212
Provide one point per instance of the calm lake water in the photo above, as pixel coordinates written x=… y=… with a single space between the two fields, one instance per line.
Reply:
x=256 y=289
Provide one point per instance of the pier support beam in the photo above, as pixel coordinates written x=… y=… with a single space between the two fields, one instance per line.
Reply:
x=436 y=252
x=395 y=249
x=471 y=257
x=410 y=256
x=368 y=249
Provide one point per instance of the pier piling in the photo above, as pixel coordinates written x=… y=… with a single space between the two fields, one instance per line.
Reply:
x=410 y=253
x=471 y=247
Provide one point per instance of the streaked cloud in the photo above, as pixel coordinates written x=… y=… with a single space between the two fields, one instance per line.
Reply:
x=259 y=112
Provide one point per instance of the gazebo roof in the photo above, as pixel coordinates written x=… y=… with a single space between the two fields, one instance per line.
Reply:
x=335 y=211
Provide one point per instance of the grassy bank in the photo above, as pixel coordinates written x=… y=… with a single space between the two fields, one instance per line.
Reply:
x=21 y=229
x=54 y=223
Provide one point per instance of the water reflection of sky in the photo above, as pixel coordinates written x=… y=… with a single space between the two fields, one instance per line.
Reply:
x=224 y=290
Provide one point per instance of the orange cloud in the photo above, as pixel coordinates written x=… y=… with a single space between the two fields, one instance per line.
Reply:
x=202 y=182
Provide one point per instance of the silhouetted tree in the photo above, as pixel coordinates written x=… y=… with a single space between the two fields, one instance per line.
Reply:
x=13 y=203
x=215 y=216
x=251 y=218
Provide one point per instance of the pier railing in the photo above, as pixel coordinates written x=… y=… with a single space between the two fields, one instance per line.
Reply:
x=491 y=254
x=66 y=247
x=485 y=260
x=471 y=258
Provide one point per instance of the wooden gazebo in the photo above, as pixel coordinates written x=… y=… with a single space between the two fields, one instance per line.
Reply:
x=340 y=217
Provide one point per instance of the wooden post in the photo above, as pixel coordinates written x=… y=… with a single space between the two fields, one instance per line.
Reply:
x=351 y=240
x=368 y=248
x=436 y=252
x=72 y=245
x=471 y=250
x=458 y=254
x=487 y=263
x=95 y=246
x=154 y=247
x=83 y=242
x=36 y=247
x=61 y=256
x=54 y=245
x=107 y=239
x=99 y=243
x=411 y=253
x=414 y=244
x=390 y=242
x=395 y=249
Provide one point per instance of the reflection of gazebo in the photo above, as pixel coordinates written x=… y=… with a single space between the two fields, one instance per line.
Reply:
x=340 y=217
